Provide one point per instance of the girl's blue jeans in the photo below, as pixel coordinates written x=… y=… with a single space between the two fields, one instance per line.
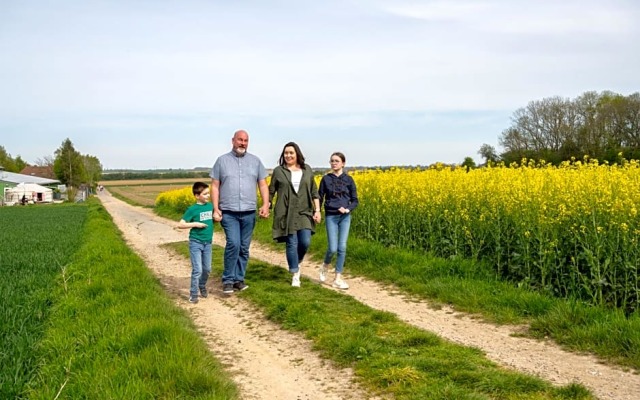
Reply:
x=337 y=234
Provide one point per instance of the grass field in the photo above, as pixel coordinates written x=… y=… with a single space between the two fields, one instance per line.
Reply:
x=150 y=182
x=82 y=317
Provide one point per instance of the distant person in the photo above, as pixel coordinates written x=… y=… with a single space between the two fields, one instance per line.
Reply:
x=24 y=200
x=339 y=196
x=297 y=207
x=234 y=177
x=199 y=220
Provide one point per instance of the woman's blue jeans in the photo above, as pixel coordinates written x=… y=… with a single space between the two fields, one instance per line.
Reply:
x=296 y=247
x=337 y=234
x=200 y=254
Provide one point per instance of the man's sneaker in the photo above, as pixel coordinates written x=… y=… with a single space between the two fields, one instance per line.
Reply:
x=240 y=286
x=340 y=284
x=295 y=281
x=323 y=272
x=227 y=288
x=193 y=300
x=203 y=293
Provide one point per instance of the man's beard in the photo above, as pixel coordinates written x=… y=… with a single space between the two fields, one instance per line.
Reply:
x=240 y=151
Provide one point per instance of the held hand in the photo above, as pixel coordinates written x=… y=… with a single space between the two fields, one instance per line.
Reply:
x=264 y=211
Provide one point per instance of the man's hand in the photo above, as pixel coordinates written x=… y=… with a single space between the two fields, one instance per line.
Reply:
x=264 y=211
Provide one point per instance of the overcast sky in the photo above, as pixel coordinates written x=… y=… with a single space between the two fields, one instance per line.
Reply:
x=164 y=84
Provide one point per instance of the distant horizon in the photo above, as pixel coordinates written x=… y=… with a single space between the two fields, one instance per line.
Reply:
x=200 y=169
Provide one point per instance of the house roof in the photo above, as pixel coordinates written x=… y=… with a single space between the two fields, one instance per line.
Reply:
x=12 y=177
x=41 y=172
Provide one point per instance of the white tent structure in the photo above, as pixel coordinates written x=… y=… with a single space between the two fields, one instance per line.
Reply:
x=32 y=192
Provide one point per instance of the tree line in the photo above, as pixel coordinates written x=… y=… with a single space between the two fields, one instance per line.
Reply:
x=153 y=174
x=68 y=165
x=597 y=125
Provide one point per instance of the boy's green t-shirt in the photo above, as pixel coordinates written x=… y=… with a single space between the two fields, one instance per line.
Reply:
x=200 y=213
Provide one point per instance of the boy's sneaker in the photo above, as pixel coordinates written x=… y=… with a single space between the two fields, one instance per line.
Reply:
x=193 y=300
x=227 y=288
x=240 y=286
x=323 y=273
x=203 y=293
x=295 y=281
x=340 y=284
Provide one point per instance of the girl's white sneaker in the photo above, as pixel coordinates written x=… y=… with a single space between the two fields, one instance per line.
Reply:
x=340 y=284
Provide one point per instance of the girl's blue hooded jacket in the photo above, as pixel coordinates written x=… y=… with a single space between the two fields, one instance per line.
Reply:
x=337 y=191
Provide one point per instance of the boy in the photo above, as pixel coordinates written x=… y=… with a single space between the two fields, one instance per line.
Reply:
x=199 y=219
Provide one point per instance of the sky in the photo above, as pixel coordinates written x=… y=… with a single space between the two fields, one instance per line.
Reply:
x=149 y=84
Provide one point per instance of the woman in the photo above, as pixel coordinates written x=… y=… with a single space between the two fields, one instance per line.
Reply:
x=297 y=206
x=339 y=195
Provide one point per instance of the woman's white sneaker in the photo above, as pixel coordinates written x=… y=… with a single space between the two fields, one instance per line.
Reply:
x=323 y=272
x=340 y=284
x=295 y=280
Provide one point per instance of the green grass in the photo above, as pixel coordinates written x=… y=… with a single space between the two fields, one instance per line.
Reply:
x=388 y=356
x=472 y=287
x=110 y=330
x=37 y=242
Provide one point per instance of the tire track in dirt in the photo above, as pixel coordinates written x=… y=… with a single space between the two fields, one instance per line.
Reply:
x=540 y=358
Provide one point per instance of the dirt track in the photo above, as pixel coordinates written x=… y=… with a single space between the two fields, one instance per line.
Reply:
x=270 y=363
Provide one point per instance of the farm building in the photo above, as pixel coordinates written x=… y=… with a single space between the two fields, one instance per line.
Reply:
x=31 y=192
x=9 y=180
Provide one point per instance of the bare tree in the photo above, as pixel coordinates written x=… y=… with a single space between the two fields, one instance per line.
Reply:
x=487 y=152
x=45 y=161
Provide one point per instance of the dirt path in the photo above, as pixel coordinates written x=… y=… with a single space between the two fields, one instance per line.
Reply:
x=273 y=364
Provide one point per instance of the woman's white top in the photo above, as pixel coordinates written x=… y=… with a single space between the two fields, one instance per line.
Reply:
x=296 y=177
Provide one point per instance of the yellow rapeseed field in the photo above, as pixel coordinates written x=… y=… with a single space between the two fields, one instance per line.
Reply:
x=571 y=230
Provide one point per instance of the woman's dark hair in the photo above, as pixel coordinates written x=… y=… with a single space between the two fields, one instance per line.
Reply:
x=299 y=156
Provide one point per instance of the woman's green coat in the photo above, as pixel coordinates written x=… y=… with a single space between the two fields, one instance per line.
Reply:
x=292 y=211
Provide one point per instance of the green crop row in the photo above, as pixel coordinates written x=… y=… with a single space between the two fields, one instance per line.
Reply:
x=84 y=318
x=37 y=244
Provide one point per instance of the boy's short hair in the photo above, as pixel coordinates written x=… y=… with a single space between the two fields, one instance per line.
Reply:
x=198 y=188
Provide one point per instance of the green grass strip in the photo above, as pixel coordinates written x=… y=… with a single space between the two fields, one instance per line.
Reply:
x=388 y=355
x=114 y=334
x=471 y=287
x=36 y=243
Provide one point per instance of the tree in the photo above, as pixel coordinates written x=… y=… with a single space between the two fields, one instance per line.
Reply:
x=20 y=163
x=68 y=165
x=599 y=125
x=6 y=161
x=45 y=161
x=488 y=152
x=92 y=169
x=468 y=163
